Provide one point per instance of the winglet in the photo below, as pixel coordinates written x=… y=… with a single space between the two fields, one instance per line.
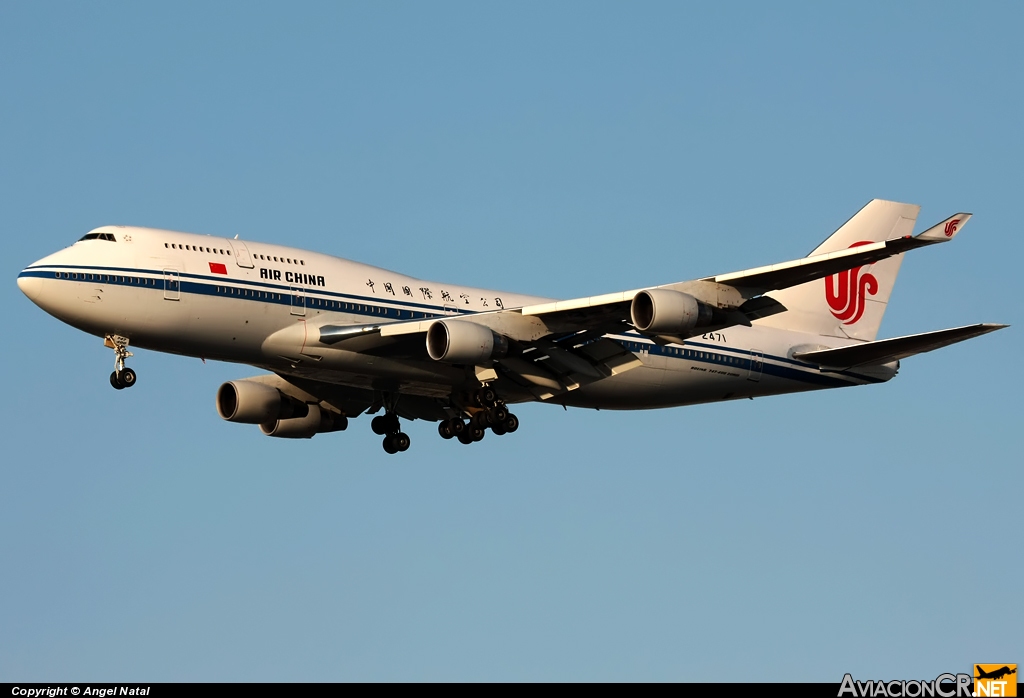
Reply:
x=946 y=230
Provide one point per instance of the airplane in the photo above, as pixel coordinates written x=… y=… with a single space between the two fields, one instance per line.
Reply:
x=339 y=339
x=996 y=674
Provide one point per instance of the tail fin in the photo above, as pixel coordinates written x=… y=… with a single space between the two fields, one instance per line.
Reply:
x=850 y=303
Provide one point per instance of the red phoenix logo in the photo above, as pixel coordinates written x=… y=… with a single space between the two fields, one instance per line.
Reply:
x=951 y=227
x=846 y=291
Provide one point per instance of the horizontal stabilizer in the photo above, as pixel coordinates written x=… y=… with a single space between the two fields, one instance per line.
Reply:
x=885 y=350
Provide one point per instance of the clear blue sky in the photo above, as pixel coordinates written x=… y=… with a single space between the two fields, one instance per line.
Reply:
x=560 y=149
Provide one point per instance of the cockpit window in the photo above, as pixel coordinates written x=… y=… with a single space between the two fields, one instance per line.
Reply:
x=109 y=237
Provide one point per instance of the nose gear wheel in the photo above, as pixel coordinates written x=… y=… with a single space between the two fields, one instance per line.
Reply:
x=122 y=377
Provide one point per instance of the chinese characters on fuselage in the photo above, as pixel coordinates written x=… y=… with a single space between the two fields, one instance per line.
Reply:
x=294 y=277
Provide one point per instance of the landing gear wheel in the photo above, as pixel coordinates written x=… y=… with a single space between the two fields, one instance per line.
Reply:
x=511 y=423
x=456 y=425
x=389 y=444
x=486 y=396
x=465 y=437
x=401 y=441
x=497 y=414
x=477 y=434
x=122 y=377
x=480 y=419
x=445 y=430
x=127 y=377
x=379 y=425
x=499 y=429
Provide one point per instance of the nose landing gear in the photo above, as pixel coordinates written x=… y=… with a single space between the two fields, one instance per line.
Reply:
x=122 y=377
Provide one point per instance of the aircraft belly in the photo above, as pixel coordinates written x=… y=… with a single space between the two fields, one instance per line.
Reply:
x=679 y=383
x=645 y=387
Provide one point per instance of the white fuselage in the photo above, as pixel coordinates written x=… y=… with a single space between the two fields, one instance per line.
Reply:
x=248 y=302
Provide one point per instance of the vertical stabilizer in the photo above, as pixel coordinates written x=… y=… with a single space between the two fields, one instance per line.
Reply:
x=850 y=303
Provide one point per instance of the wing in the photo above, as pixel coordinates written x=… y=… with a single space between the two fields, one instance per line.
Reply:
x=738 y=295
x=542 y=364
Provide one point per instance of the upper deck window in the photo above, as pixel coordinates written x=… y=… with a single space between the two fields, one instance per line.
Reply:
x=109 y=237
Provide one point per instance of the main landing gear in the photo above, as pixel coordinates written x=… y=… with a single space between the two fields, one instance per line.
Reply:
x=122 y=377
x=388 y=425
x=487 y=412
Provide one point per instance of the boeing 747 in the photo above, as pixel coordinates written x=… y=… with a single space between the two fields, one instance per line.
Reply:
x=338 y=339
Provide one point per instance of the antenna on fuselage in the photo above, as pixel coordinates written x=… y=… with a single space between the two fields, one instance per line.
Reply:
x=236 y=236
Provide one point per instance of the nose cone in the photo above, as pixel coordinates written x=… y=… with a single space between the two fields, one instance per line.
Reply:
x=31 y=286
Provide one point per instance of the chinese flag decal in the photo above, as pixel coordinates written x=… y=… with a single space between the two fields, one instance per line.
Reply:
x=216 y=268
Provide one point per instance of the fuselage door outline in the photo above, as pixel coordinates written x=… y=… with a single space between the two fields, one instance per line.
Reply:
x=298 y=295
x=242 y=256
x=172 y=285
x=756 y=365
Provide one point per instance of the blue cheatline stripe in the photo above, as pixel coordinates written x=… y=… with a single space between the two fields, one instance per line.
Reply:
x=208 y=285
x=277 y=294
x=45 y=272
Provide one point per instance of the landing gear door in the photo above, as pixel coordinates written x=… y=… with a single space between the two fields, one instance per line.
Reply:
x=298 y=300
x=242 y=256
x=756 y=365
x=172 y=285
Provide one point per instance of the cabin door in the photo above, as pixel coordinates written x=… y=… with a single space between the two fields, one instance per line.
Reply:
x=298 y=300
x=756 y=365
x=242 y=256
x=172 y=285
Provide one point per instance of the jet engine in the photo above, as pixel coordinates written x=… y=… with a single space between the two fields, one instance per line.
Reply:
x=250 y=402
x=316 y=421
x=461 y=342
x=662 y=311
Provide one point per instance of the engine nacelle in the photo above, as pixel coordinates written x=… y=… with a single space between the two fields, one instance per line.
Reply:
x=461 y=342
x=316 y=421
x=662 y=311
x=250 y=402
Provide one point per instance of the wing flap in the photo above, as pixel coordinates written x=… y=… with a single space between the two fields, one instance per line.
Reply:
x=885 y=350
